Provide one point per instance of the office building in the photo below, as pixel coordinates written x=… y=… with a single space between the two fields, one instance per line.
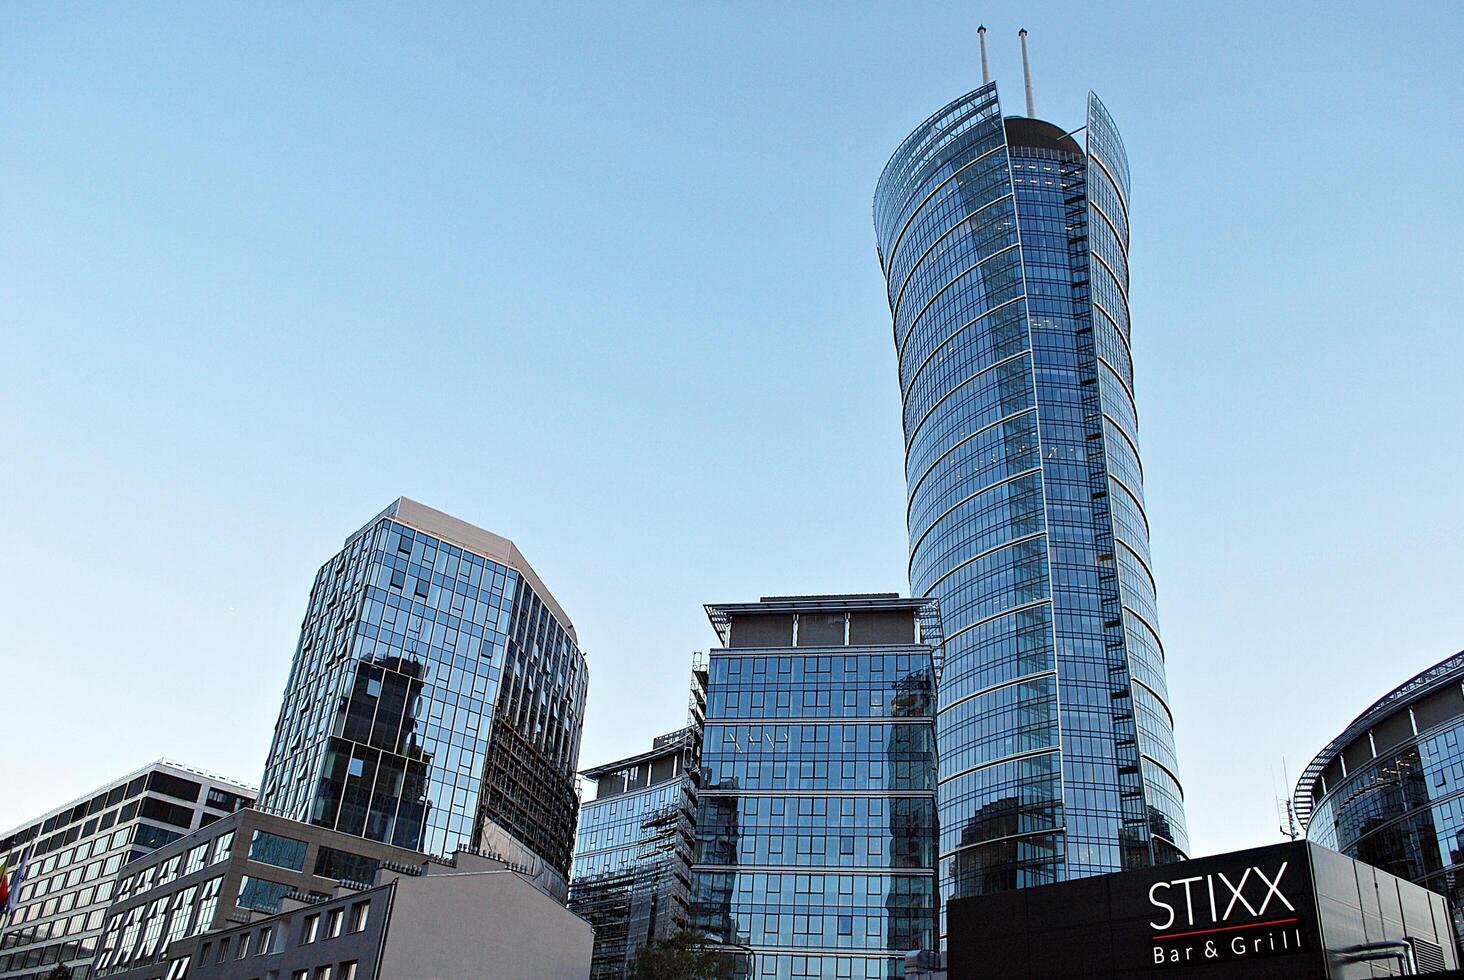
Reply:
x=815 y=831
x=632 y=862
x=436 y=698
x=1004 y=242
x=73 y=854
x=471 y=917
x=1293 y=911
x=233 y=870
x=1389 y=790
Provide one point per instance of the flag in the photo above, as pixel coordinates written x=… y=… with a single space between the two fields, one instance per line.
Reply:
x=10 y=884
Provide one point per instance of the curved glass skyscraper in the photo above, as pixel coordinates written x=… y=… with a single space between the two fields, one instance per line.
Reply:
x=1004 y=243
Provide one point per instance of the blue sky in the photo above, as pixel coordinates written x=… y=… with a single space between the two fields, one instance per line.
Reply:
x=602 y=278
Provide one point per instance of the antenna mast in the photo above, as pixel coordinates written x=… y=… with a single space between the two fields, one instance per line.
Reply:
x=1027 y=73
x=985 y=68
x=1287 y=808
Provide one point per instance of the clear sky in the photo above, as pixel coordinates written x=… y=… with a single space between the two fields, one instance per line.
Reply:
x=601 y=278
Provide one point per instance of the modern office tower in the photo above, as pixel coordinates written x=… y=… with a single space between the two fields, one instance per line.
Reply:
x=1389 y=790
x=1004 y=242
x=436 y=698
x=71 y=857
x=632 y=863
x=815 y=835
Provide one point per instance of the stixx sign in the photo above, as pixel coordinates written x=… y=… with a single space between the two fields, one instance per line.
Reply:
x=1226 y=915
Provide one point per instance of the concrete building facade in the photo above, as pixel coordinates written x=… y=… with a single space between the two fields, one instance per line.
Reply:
x=72 y=856
x=473 y=917
x=238 y=868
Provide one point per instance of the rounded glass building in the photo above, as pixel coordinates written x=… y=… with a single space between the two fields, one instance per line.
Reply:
x=1004 y=243
x=1389 y=790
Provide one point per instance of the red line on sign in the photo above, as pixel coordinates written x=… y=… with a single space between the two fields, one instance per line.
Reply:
x=1247 y=925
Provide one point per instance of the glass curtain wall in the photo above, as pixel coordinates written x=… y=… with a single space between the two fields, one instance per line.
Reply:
x=816 y=823
x=1056 y=743
x=431 y=690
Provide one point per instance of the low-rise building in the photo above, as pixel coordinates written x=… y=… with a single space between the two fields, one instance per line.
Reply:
x=473 y=917
x=1292 y=910
x=70 y=859
x=230 y=871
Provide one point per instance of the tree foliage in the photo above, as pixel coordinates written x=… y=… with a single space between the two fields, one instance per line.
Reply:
x=684 y=955
x=61 y=972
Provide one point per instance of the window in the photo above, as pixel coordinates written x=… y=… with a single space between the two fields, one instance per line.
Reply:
x=223 y=949
x=331 y=863
x=265 y=935
x=323 y=972
x=208 y=903
x=333 y=923
x=359 y=911
x=282 y=852
x=300 y=975
x=348 y=970
x=179 y=969
x=243 y=949
x=220 y=800
x=262 y=895
x=196 y=859
x=182 y=912
x=310 y=930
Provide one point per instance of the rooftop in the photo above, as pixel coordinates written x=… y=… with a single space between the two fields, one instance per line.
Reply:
x=176 y=767
x=1040 y=134
x=1410 y=692
x=673 y=744
x=925 y=608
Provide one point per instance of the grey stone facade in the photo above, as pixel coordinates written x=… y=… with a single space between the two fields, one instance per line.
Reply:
x=475 y=919
x=239 y=867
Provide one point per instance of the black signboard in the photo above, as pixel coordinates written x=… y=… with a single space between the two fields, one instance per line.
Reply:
x=1293 y=910
x=1246 y=906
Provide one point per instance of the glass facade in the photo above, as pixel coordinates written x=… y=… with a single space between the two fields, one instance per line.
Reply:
x=436 y=696
x=816 y=825
x=73 y=858
x=1004 y=243
x=1389 y=791
x=632 y=861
